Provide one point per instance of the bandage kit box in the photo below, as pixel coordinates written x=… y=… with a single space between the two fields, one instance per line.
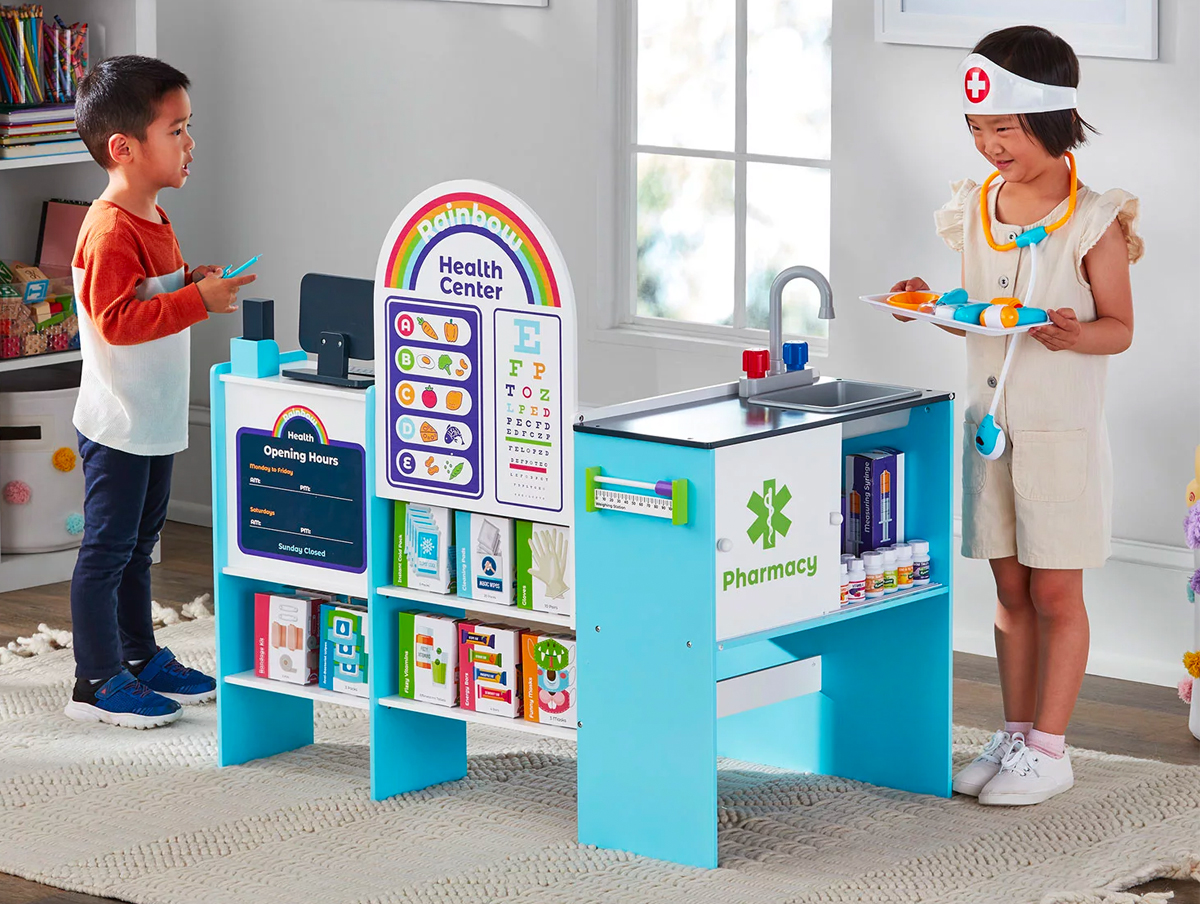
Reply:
x=488 y=666
x=286 y=636
x=874 y=500
x=486 y=566
x=545 y=576
x=425 y=555
x=548 y=667
x=428 y=658
x=344 y=649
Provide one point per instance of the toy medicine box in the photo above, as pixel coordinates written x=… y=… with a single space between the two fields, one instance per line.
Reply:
x=286 y=632
x=545 y=576
x=428 y=658
x=425 y=554
x=874 y=500
x=486 y=568
x=344 y=649
x=548 y=668
x=489 y=680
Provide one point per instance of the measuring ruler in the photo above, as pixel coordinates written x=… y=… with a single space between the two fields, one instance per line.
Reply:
x=665 y=499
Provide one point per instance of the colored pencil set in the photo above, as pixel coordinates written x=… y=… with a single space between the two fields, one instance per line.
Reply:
x=40 y=62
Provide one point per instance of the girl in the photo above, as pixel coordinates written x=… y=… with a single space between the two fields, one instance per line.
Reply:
x=1042 y=511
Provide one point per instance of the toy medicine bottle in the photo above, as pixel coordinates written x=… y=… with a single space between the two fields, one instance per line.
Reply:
x=921 y=566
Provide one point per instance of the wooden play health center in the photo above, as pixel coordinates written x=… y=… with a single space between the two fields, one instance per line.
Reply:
x=659 y=502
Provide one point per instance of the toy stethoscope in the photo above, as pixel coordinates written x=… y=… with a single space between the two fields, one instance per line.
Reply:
x=990 y=441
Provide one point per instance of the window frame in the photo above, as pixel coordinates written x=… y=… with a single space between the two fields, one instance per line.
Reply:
x=626 y=317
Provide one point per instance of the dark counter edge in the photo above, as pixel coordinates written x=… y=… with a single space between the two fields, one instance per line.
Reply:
x=816 y=419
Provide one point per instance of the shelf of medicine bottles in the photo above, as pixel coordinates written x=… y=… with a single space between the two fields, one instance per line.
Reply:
x=866 y=607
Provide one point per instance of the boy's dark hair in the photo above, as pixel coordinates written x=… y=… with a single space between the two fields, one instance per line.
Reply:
x=121 y=96
x=1041 y=56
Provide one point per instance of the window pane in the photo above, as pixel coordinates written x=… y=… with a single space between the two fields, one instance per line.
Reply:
x=787 y=223
x=686 y=72
x=685 y=238
x=787 y=77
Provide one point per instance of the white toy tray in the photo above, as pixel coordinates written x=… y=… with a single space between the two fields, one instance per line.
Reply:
x=880 y=301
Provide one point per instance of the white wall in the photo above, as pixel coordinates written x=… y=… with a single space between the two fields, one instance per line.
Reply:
x=310 y=144
x=307 y=159
x=898 y=140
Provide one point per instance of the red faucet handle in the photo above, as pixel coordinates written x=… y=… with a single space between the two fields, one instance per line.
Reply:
x=756 y=362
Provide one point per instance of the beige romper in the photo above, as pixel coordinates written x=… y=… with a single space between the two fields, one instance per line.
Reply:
x=1048 y=499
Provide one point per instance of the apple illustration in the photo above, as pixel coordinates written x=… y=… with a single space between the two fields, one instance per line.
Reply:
x=428 y=397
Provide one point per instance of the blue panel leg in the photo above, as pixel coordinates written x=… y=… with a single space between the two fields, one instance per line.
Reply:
x=647 y=746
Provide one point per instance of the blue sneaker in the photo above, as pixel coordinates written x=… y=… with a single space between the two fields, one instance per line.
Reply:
x=166 y=675
x=121 y=700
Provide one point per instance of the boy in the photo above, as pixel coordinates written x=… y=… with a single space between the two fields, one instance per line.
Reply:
x=137 y=300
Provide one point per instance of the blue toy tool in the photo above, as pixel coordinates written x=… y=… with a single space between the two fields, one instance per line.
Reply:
x=954 y=297
x=246 y=266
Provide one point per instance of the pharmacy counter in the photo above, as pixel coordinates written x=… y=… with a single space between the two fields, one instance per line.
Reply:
x=709 y=618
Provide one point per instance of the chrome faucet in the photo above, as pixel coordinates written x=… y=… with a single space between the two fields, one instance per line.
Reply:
x=776 y=310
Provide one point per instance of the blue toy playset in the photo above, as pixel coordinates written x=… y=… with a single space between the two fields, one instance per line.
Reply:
x=697 y=536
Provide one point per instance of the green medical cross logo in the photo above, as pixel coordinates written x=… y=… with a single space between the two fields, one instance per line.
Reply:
x=767 y=507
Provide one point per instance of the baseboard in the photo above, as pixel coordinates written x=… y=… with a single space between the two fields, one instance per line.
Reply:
x=1101 y=662
x=189 y=512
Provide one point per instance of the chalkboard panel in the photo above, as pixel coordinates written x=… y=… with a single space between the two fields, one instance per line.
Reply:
x=301 y=497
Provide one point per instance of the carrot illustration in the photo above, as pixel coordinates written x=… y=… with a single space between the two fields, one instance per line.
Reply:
x=451 y=331
x=427 y=329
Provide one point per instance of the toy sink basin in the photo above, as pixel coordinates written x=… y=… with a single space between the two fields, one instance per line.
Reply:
x=834 y=396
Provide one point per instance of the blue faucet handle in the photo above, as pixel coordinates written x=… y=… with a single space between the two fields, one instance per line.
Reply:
x=795 y=355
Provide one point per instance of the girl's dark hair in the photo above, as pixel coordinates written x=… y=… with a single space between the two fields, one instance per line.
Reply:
x=1041 y=56
x=121 y=96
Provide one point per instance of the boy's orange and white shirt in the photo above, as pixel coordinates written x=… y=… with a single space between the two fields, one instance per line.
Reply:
x=135 y=306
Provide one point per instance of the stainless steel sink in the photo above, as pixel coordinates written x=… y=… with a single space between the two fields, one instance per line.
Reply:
x=834 y=396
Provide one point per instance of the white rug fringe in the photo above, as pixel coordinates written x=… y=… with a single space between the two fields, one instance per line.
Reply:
x=47 y=639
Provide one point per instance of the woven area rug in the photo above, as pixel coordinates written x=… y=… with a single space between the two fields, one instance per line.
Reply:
x=147 y=817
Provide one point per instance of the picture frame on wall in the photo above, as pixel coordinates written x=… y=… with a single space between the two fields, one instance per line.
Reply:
x=504 y=2
x=1125 y=29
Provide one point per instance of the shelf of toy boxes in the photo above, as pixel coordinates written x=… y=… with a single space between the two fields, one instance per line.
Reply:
x=260 y=717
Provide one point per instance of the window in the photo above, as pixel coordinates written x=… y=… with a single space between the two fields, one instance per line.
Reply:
x=727 y=162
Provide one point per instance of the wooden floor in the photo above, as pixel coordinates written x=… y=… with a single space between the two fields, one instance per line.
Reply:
x=1115 y=716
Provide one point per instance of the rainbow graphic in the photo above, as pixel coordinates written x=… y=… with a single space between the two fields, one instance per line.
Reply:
x=470 y=211
x=305 y=414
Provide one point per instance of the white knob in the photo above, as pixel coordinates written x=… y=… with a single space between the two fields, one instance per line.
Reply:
x=835 y=518
x=724 y=544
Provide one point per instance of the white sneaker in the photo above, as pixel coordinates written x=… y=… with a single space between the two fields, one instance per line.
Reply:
x=1027 y=777
x=986 y=766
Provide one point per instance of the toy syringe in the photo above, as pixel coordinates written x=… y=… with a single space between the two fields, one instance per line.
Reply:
x=664 y=499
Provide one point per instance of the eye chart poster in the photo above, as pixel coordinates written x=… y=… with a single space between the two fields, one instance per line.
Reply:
x=475 y=336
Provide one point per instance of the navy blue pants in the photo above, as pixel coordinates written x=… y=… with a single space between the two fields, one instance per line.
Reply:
x=124 y=508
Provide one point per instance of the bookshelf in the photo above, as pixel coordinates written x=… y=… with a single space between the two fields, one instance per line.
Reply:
x=115 y=27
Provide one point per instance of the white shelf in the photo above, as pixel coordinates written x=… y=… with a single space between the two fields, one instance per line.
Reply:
x=467 y=715
x=308 y=691
x=44 y=360
x=46 y=160
x=450 y=601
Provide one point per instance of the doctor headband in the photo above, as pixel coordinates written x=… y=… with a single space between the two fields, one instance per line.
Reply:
x=991 y=90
